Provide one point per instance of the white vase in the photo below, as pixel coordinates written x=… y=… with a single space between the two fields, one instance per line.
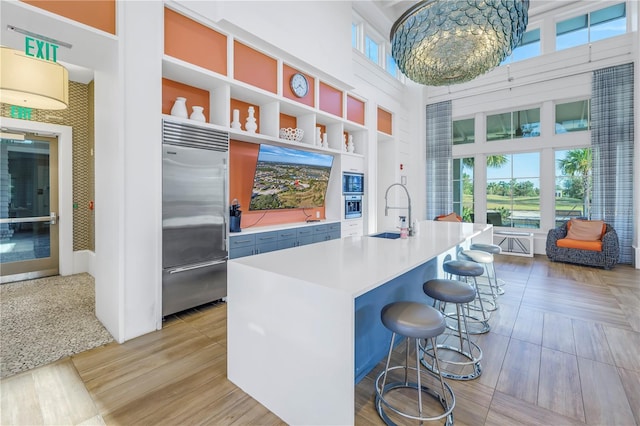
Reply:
x=197 y=114
x=251 y=125
x=318 y=140
x=325 y=141
x=235 y=124
x=350 y=146
x=179 y=108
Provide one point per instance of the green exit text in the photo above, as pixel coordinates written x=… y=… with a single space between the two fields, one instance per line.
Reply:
x=20 y=112
x=40 y=49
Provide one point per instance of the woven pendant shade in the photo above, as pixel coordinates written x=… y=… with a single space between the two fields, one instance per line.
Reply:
x=443 y=42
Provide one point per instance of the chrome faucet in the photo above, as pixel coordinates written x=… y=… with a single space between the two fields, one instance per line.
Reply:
x=387 y=207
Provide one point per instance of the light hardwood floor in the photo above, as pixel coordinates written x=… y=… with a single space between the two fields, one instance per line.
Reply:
x=564 y=349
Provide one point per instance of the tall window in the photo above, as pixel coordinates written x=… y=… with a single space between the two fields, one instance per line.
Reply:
x=513 y=190
x=464 y=131
x=529 y=47
x=391 y=66
x=463 y=188
x=572 y=116
x=597 y=25
x=354 y=35
x=573 y=184
x=513 y=125
x=372 y=50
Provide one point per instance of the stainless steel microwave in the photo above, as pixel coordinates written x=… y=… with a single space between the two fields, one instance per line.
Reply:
x=352 y=183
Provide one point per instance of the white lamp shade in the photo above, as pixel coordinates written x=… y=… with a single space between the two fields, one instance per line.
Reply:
x=32 y=83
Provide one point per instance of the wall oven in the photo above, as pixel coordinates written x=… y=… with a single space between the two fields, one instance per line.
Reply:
x=352 y=183
x=352 y=206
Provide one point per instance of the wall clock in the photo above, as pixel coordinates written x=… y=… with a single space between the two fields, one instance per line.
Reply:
x=299 y=85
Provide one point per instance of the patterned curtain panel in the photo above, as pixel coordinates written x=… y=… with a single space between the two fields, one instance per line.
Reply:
x=612 y=143
x=439 y=160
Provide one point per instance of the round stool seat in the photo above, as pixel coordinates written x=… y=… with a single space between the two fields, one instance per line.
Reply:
x=476 y=256
x=452 y=291
x=463 y=268
x=412 y=319
x=489 y=248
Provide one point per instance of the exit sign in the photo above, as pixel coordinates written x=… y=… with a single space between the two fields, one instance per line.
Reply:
x=40 y=49
x=20 y=112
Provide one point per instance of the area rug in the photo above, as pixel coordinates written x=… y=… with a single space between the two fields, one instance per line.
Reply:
x=47 y=319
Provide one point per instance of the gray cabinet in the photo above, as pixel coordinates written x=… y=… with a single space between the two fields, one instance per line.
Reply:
x=334 y=231
x=287 y=238
x=264 y=242
x=304 y=235
x=241 y=245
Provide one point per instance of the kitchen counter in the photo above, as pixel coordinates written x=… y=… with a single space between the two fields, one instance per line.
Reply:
x=303 y=323
x=258 y=229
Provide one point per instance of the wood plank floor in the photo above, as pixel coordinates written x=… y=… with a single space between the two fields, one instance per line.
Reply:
x=564 y=349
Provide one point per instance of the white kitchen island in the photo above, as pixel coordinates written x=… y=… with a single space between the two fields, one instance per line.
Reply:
x=303 y=324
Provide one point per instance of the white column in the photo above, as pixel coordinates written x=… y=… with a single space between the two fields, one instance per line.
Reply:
x=128 y=176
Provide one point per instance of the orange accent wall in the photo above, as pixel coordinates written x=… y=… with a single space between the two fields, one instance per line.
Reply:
x=243 y=157
x=355 y=110
x=330 y=99
x=172 y=89
x=244 y=113
x=385 y=122
x=288 y=121
x=100 y=14
x=287 y=73
x=254 y=68
x=192 y=42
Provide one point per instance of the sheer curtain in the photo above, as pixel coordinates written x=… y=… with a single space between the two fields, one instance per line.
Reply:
x=439 y=160
x=612 y=142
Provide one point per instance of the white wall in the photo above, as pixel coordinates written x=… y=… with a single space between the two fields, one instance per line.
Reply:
x=313 y=32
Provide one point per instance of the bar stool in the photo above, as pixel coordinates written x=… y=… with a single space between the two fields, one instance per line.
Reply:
x=465 y=269
x=486 y=259
x=415 y=321
x=493 y=249
x=444 y=291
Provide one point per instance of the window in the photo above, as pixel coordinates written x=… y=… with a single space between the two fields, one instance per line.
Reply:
x=573 y=184
x=572 y=116
x=354 y=35
x=463 y=188
x=608 y=22
x=391 y=67
x=514 y=125
x=597 y=25
x=464 y=131
x=513 y=190
x=529 y=47
x=372 y=50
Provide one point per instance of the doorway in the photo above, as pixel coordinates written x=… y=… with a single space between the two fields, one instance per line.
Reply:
x=28 y=206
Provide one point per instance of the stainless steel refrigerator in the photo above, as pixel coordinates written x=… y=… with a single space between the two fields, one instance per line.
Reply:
x=194 y=216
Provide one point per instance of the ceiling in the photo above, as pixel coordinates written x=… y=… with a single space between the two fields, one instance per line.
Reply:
x=388 y=11
x=393 y=9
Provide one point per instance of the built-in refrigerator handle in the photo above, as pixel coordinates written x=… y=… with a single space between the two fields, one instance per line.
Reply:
x=198 y=266
x=225 y=184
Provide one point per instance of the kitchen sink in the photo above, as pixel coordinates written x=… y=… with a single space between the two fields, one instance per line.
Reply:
x=387 y=235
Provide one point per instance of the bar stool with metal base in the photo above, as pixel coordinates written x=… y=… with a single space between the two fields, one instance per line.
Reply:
x=415 y=321
x=493 y=249
x=485 y=259
x=465 y=269
x=466 y=354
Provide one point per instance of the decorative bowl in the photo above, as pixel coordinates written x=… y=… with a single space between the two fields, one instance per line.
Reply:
x=291 y=134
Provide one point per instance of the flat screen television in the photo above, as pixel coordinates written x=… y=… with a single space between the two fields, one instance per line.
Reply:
x=288 y=178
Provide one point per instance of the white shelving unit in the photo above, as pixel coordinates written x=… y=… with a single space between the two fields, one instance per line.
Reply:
x=222 y=89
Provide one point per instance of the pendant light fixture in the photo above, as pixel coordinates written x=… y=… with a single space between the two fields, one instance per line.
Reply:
x=443 y=42
x=31 y=82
